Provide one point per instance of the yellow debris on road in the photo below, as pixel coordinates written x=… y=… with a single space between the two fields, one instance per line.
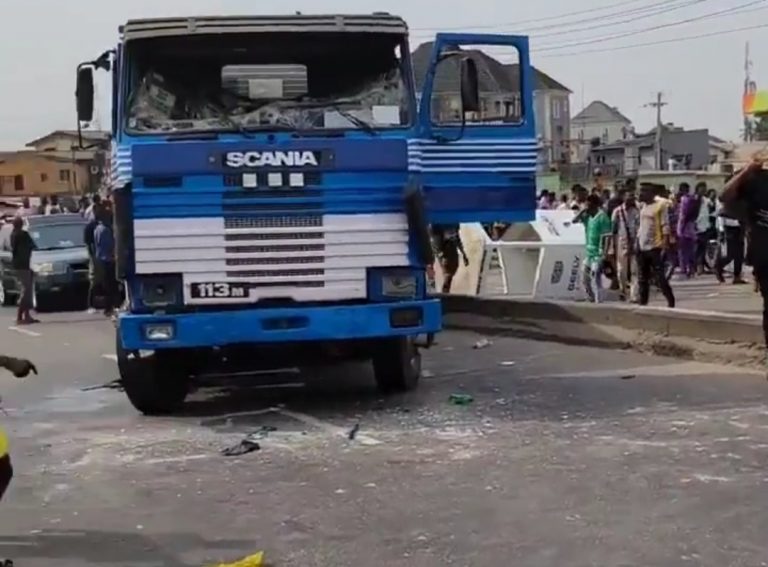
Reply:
x=256 y=560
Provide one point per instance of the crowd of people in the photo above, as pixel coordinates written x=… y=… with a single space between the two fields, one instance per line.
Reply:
x=638 y=237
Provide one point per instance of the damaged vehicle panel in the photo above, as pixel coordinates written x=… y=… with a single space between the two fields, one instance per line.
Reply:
x=274 y=178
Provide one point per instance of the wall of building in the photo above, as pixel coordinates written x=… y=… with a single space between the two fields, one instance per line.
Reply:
x=694 y=143
x=27 y=173
x=608 y=132
x=560 y=125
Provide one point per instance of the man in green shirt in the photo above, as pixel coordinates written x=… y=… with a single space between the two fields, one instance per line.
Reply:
x=597 y=225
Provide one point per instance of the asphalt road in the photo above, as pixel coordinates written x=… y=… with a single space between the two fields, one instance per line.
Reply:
x=567 y=456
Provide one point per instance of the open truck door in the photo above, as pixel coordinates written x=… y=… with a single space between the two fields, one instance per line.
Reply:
x=476 y=153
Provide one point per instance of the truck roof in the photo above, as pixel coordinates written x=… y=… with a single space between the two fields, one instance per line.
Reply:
x=379 y=22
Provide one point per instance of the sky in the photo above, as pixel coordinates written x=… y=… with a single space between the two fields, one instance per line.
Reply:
x=701 y=80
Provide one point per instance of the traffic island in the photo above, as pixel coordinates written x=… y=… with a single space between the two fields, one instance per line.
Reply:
x=706 y=336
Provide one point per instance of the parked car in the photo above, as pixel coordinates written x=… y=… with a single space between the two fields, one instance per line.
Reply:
x=60 y=261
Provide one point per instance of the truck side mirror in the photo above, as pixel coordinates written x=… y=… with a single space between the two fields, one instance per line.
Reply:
x=84 y=94
x=470 y=87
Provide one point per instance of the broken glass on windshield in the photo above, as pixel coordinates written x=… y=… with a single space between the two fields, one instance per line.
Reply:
x=224 y=94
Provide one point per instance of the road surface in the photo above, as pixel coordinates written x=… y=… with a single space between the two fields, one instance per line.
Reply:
x=567 y=456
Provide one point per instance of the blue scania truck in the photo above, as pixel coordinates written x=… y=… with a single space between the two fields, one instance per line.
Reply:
x=274 y=181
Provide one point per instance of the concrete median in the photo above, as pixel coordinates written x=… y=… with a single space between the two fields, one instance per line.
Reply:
x=700 y=335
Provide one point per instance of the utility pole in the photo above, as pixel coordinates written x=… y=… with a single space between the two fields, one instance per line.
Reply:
x=749 y=87
x=658 y=104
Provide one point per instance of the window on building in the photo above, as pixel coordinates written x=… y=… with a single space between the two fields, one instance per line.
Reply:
x=43 y=177
x=18 y=183
x=64 y=175
x=7 y=183
x=556 y=109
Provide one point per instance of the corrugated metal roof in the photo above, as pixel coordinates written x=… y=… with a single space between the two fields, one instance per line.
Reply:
x=164 y=27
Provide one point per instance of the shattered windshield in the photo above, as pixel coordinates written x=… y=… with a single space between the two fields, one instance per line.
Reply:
x=235 y=89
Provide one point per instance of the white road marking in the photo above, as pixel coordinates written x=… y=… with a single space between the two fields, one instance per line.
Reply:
x=24 y=331
x=181 y=459
x=361 y=438
x=112 y=357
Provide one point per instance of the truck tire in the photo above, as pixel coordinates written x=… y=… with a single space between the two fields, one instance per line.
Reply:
x=154 y=385
x=397 y=365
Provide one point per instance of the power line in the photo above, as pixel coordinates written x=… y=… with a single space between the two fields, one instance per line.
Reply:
x=648 y=11
x=536 y=20
x=719 y=13
x=658 y=42
x=663 y=10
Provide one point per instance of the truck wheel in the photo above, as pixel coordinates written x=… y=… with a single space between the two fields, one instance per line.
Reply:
x=397 y=365
x=154 y=385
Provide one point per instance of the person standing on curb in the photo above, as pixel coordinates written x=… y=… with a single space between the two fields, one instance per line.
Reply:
x=731 y=249
x=22 y=246
x=597 y=225
x=686 y=230
x=626 y=219
x=653 y=237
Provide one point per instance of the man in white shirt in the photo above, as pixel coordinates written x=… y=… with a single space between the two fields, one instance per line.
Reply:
x=703 y=228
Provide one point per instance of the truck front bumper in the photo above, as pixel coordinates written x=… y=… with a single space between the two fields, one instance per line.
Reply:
x=272 y=325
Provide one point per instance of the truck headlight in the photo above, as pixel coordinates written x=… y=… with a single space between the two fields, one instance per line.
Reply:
x=401 y=286
x=158 y=292
x=48 y=268
x=159 y=331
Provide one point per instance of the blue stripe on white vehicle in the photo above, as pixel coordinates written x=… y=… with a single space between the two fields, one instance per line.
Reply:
x=120 y=166
x=479 y=155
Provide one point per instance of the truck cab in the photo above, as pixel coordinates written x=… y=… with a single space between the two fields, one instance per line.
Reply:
x=274 y=181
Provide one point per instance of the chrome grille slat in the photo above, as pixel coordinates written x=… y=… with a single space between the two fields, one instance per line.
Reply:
x=276 y=273
x=283 y=221
x=293 y=236
x=275 y=248
x=274 y=261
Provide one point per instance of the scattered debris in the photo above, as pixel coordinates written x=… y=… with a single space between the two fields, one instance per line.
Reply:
x=461 y=399
x=353 y=432
x=341 y=491
x=482 y=343
x=628 y=377
x=427 y=374
x=247 y=445
x=256 y=560
x=263 y=432
x=113 y=385
x=507 y=363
